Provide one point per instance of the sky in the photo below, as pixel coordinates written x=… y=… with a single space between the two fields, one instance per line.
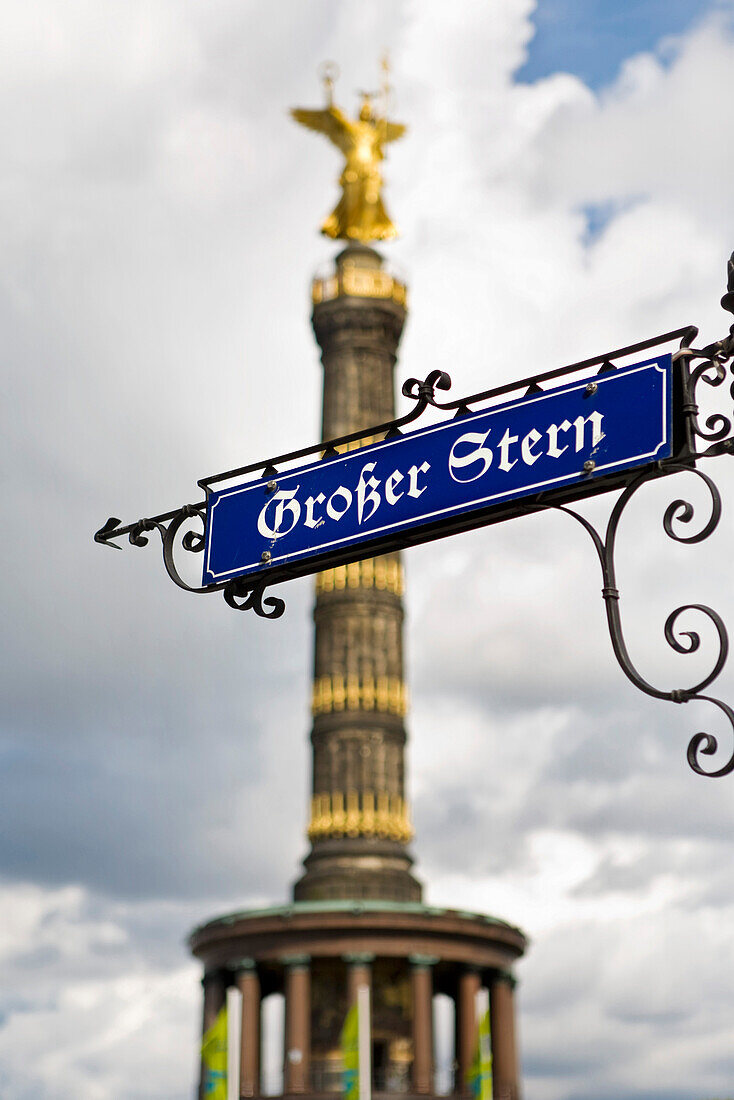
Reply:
x=564 y=189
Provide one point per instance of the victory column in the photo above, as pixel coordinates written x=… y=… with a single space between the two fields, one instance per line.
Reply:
x=357 y=917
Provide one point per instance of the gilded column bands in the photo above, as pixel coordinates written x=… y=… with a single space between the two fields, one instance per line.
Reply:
x=359 y=813
x=360 y=823
x=384 y=574
x=383 y=693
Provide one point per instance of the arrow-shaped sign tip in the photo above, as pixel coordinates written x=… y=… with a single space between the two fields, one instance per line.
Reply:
x=106 y=530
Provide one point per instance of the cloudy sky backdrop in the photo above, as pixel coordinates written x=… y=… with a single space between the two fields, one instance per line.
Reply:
x=565 y=188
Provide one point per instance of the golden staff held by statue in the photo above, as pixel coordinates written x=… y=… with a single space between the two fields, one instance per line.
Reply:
x=360 y=214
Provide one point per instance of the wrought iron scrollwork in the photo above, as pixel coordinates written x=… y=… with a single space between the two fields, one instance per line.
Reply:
x=678 y=511
x=252 y=600
x=169 y=529
x=424 y=392
x=237 y=594
x=711 y=370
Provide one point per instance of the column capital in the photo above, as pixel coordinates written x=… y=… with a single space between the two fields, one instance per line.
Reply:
x=504 y=976
x=423 y=960
x=216 y=974
x=295 y=962
x=359 y=958
x=240 y=965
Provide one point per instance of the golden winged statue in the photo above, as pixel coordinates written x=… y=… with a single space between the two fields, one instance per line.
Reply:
x=360 y=214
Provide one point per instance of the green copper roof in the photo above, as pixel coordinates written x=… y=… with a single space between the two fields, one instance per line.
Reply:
x=355 y=906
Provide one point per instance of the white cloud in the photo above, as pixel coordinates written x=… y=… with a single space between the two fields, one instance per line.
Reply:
x=655 y=132
x=107 y=1009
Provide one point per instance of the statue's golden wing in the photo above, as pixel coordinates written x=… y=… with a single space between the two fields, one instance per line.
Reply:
x=331 y=122
x=393 y=131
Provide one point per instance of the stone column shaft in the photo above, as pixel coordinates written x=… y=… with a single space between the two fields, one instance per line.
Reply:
x=248 y=984
x=466 y=1027
x=505 y=1074
x=215 y=996
x=297 y=1072
x=422 y=988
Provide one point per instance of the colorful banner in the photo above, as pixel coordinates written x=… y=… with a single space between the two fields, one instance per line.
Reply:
x=350 y=1054
x=479 y=1075
x=214 y=1057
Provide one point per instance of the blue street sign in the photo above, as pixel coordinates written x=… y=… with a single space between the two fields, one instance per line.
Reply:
x=569 y=436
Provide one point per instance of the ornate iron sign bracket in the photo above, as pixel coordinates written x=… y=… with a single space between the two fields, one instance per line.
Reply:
x=710 y=366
